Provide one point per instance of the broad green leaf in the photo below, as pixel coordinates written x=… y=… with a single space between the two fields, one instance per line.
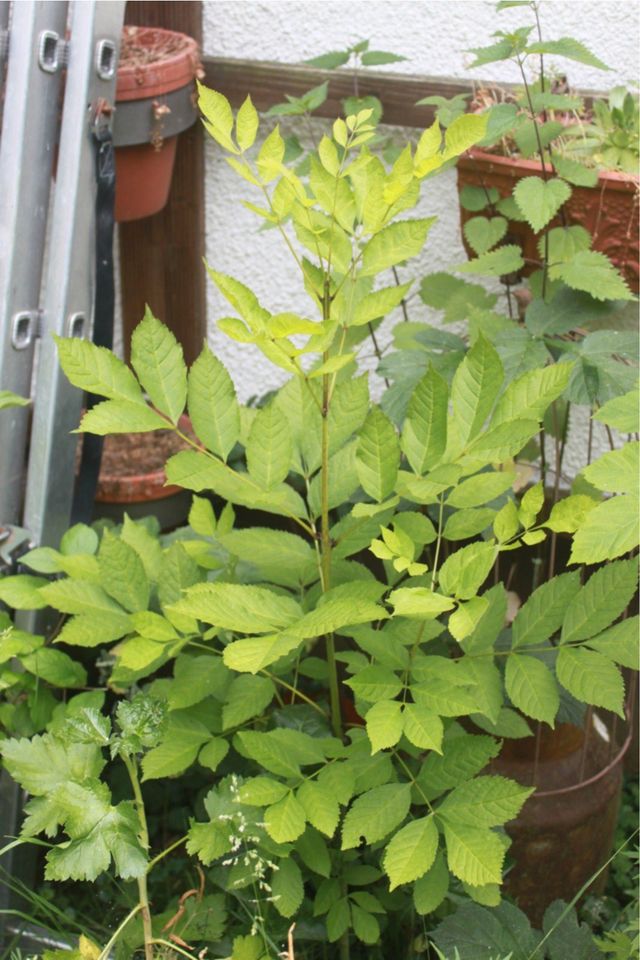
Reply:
x=375 y=814
x=261 y=791
x=424 y=433
x=374 y=683
x=338 y=920
x=239 y=607
x=482 y=233
x=475 y=386
x=456 y=297
x=502 y=442
x=464 y=132
x=285 y=820
x=179 y=747
x=241 y=299
x=576 y=173
x=269 y=447
x=395 y=243
x=532 y=688
x=379 y=303
x=542 y=614
x=617 y=471
x=501 y=932
x=276 y=556
x=539 y=200
x=384 y=724
x=487 y=801
x=320 y=806
x=213 y=753
x=271 y=155
x=156 y=357
x=463 y=572
x=123 y=573
x=591 y=677
x=595 y=274
x=121 y=416
x=145 y=544
x=55 y=667
x=463 y=757
x=376 y=58
x=246 y=125
x=280 y=751
x=247 y=697
x=609 y=531
x=562 y=243
x=480 y=489
x=430 y=890
x=218 y=116
x=196 y=471
x=212 y=404
x=528 y=397
x=287 y=888
x=411 y=852
x=22 y=592
x=422 y=727
x=603 y=598
x=569 y=514
x=76 y=596
x=468 y=523
x=43 y=763
x=474 y=855
x=97 y=370
x=491 y=622
x=377 y=455
x=419 y=603
x=196 y=678
x=569 y=48
x=255 y=653
x=619 y=643
x=496 y=263
x=622 y=413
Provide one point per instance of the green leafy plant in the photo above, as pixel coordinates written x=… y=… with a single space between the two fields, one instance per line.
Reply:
x=326 y=672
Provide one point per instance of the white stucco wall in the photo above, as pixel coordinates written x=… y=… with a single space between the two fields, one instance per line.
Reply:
x=434 y=35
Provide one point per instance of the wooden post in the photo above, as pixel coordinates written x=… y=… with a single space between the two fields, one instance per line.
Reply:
x=161 y=256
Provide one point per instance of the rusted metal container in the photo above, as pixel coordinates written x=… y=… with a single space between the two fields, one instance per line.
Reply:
x=564 y=832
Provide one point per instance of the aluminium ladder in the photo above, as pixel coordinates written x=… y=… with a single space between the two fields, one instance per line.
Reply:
x=58 y=63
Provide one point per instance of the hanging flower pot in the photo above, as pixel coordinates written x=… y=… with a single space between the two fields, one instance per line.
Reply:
x=154 y=103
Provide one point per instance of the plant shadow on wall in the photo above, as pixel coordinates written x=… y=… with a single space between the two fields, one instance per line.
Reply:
x=342 y=680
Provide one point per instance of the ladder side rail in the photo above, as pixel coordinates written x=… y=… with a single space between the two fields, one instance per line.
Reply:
x=69 y=284
x=27 y=144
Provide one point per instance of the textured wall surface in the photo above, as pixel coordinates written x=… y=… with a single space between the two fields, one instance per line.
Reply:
x=434 y=36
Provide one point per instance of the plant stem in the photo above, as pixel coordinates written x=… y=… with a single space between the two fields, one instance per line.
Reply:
x=143 y=894
x=173 y=846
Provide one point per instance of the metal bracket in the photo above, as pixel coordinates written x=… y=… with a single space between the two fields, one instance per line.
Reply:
x=25 y=328
x=106 y=59
x=50 y=51
x=14 y=541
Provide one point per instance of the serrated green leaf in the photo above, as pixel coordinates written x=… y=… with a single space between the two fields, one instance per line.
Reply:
x=384 y=724
x=465 y=524
x=485 y=801
x=77 y=596
x=576 y=173
x=496 y=263
x=569 y=514
x=218 y=116
x=213 y=753
x=474 y=855
x=603 y=598
x=374 y=683
x=22 y=592
x=285 y=820
x=261 y=791
x=55 y=667
x=424 y=433
x=269 y=447
x=196 y=678
x=475 y=387
x=591 y=677
x=246 y=125
x=179 y=747
x=462 y=757
x=43 y=763
x=395 y=243
x=121 y=416
x=569 y=48
x=157 y=359
x=377 y=455
x=247 y=697
x=502 y=442
x=463 y=572
x=379 y=303
x=123 y=573
x=528 y=396
x=375 y=814
x=422 y=727
x=239 y=607
x=593 y=273
x=411 y=852
x=532 y=689
x=480 y=489
x=610 y=530
x=287 y=888
x=97 y=370
x=619 y=643
x=320 y=806
x=212 y=404
x=539 y=200
x=482 y=233
x=430 y=890
x=542 y=614
x=622 y=413
x=616 y=471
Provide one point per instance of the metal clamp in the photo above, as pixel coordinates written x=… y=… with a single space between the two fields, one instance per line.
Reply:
x=14 y=542
x=25 y=328
x=106 y=59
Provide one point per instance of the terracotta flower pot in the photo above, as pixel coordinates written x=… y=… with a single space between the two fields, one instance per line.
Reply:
x=132 y=478
x=564 y=833
x=154 y=102
x=609 y=211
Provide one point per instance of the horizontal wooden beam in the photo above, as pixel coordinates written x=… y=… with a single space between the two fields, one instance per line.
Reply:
x=269 y=83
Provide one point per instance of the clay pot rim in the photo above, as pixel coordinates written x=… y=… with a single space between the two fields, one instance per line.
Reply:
x=615 y=179
x=144 y=80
